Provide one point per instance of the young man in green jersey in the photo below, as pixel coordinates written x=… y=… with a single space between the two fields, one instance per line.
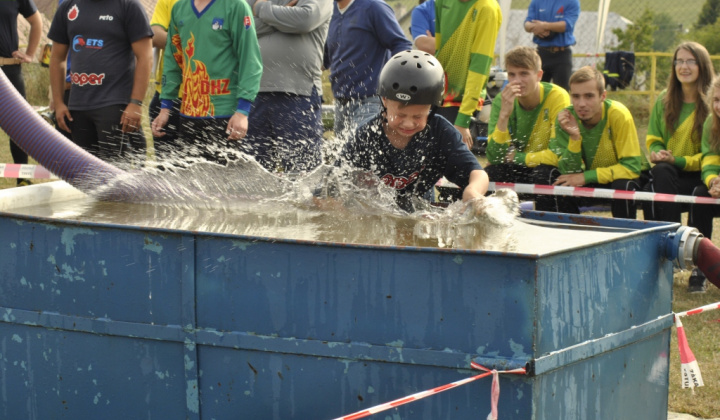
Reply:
x=521 y=123
x=597 y=144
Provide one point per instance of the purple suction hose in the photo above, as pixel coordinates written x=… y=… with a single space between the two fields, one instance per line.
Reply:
x=52 y=150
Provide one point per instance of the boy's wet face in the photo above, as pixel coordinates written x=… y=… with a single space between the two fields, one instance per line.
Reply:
x=405 y=120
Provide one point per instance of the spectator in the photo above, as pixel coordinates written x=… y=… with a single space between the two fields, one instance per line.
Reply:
x=407 y=145
x=521 y=123
x=422 y=26
x=701 y=215
x=552 y=23
x=465 y=35
x=11 y=57
x=675 y=130
x=597 y=144
x=285 y=125
x=212 y=53
x=159 y=24
x=111 y=52
x=363 y=35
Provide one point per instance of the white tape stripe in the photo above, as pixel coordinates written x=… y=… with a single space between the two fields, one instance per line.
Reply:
x=601 y=193
x=15 y=170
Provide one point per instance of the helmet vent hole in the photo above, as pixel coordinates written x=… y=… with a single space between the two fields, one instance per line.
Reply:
x=413 y=89
x=403 y=63
x=419 y=65
x=396 y=86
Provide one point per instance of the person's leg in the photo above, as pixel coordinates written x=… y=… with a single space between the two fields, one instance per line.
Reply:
x=701 y=215
x=562 y=68
x=342 y=122
x=365 y=110
x=261 y=136
x=14 y=74
x=664 y=179
x=82 y=129
x=555 y=203
x=299 y=132
x=507 y=172
x=625 y=209
x=114 y=145
x=205 y=139
x=543 y=175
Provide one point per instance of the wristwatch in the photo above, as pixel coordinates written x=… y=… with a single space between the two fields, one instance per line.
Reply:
x=136 y=102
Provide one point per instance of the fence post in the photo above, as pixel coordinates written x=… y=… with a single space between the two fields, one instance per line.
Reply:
x=653 y=79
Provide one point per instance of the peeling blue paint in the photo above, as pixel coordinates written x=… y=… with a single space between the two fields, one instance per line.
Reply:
x=68 y=238
x=152 y=246
x=458 y=260
x=16 y=338
x=518 y=350
x=191 y=396
x=96 y=399
x=243 y=245
x=8 y=316
x=189 y=363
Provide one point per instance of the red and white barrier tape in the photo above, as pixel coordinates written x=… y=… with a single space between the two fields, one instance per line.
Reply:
x=699 y=310
x=437 y=390
x=15 y=170
x=690 y=375
x=600 y=193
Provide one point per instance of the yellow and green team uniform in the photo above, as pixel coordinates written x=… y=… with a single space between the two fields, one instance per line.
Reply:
x=607 y=152
x=679 y=142
x=465 y=35
x=528 y=131
x=710 y=157
x=161 y=18
x=218 y=59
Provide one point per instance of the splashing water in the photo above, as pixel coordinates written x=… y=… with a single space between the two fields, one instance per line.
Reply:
x=327 y=204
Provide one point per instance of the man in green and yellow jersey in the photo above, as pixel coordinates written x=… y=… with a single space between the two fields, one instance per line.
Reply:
x=597 y=144
x=465 y=35
x=521 y=123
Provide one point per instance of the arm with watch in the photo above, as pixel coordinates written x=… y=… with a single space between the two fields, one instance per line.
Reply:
x=132 y=116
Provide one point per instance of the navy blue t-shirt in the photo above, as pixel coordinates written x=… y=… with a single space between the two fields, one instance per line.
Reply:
x=99 y=35
x=436 y=151
x=9 y=11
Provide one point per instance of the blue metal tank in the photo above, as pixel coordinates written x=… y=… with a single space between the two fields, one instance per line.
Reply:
x=121 y=322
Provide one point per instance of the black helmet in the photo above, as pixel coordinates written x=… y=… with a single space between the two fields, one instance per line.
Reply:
x=413 y=77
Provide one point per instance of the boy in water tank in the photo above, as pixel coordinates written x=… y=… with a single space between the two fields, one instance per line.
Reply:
x=407 y=145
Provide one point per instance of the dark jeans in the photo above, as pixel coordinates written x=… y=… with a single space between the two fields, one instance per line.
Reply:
x=285 y=131
x=624 y=209
x=164 y=145
x=205 y=139
x=14 y=74
x=556 y=66
x=518 y=174
x=701 y=215
x=668 y=179
x=98 y=131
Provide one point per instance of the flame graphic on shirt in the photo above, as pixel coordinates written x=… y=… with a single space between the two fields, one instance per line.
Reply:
x=196 y=98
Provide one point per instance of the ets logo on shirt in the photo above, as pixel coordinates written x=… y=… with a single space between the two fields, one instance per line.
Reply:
x=79 y=42
x=217 y=24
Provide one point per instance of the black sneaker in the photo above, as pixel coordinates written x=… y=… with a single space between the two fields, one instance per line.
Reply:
x=23 y=183
x=697 y=283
